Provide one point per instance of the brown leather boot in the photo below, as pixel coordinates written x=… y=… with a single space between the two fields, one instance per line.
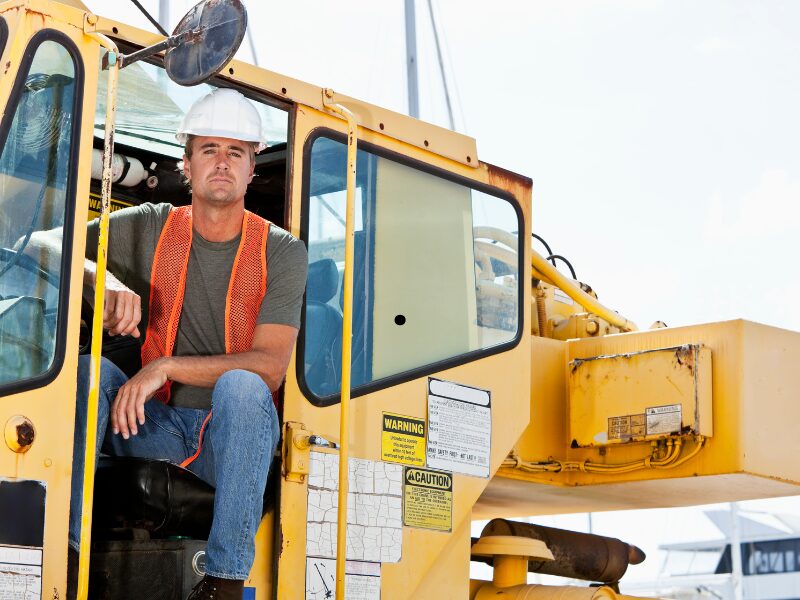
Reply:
x=214 y=588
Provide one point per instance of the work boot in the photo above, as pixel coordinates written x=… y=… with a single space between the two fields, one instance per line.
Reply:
x=214 y=588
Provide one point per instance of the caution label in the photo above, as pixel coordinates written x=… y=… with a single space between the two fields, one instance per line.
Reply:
x=403 y=440
x=428 y=499
x=94 y=205
x=626 y=427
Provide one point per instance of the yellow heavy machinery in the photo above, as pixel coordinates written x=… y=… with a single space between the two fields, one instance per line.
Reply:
x=479 y=382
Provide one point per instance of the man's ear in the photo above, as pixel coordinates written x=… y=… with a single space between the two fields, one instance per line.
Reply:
x=186 y=168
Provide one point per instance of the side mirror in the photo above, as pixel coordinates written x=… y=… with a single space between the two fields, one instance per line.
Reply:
x=203 y=42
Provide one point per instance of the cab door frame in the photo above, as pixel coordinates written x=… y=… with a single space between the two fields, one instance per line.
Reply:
x=49 y=402
x=414 y=575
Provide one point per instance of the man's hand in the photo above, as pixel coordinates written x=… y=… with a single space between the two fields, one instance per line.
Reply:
x=128 y=407
x=122 y=309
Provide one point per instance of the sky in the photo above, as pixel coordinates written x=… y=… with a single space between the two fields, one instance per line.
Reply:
x=661 y=137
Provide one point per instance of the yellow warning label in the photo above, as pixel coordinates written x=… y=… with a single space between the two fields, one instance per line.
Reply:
x=94 y=206
x=428 y=499
x=403 y=440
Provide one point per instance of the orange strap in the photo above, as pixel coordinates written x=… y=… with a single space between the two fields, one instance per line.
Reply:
x=246 y=290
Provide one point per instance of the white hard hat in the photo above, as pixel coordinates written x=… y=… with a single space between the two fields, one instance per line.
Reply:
x=223 y=113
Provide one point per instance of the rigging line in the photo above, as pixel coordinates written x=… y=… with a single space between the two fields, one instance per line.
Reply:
x=252 y=46
x=448 y=55
x=155 y=23
x=441 y=66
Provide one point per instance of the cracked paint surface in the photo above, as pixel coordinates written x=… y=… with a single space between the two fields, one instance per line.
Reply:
x=374 y=509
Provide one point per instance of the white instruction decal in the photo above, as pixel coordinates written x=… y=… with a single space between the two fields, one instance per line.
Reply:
x=663 y=419
x=459 y=428
x=20 y=573
x=362 y=580
x=560 y=296
x=374 y=509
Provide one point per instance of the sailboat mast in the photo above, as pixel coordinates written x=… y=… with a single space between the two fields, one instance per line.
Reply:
x=411 y=60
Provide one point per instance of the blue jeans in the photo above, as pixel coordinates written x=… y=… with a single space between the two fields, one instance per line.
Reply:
x=238 y=445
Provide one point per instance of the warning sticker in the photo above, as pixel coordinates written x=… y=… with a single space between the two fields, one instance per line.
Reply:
x=459 y=428
x=626 y=427
x=20 y=573
x=619 y=427
x=638 y=425
x=403 y=440
x=428 y=499
x=362 y=580
x=663 y=419
x=94 y=205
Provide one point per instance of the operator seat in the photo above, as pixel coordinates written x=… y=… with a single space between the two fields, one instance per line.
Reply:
x=323 y=329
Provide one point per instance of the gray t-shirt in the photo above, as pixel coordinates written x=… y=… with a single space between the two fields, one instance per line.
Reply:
x=133 y=235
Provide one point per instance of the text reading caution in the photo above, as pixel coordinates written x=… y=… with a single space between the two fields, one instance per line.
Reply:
x=428 y=499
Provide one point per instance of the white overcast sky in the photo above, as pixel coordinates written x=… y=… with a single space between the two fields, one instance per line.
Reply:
x=662 y=138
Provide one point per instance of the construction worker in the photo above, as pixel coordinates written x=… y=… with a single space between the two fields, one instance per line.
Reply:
x=214 y=293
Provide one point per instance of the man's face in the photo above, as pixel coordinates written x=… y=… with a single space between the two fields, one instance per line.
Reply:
x=219 y=169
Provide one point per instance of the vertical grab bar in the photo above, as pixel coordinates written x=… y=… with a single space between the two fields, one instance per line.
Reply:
x=347 y=338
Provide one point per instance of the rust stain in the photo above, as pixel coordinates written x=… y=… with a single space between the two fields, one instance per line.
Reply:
x=508 y=180
x=42 y=17
x=8 y=66
x=25 y=434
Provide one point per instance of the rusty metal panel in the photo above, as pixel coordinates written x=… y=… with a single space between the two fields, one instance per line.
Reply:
x=649 y=395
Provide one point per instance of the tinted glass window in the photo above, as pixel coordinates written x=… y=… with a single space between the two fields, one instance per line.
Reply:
x=34 y=175
x=435 y=270
x=3 y=34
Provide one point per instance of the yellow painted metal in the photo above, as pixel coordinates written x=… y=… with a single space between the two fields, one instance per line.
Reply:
x=545 y=592
x=295 y=452
x=434 y=564
x=510 y=557
x=50 y=409
x=97 y=321
x=509 y=570
x=347 y=337
x=632 y=397
x=544 y=270
x=454 y=146
x=511 y=545
x=753 y=408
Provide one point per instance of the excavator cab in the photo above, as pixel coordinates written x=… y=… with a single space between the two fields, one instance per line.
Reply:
x=437 y=270
x=431 y=381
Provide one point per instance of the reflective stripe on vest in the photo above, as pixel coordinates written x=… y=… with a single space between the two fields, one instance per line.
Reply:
x=246 y=289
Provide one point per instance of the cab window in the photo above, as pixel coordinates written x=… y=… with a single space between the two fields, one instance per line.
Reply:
x=3 y=34
x=36 y=187
x=436 y=270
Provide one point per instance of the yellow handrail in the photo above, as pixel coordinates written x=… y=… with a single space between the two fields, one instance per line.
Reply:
x=347 y=330
x=97 y=321
x=566 y=285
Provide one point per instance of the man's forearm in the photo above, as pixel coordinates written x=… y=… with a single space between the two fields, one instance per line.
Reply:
x=45 y=248
x=203 y=371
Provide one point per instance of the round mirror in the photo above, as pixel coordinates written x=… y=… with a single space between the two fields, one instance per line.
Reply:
x=212 y=32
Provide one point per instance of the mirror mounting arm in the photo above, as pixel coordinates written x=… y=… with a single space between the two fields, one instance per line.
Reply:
x=187 y=37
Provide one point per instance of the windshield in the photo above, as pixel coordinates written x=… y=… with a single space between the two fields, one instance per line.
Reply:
x=35 y=182
x=150 y=108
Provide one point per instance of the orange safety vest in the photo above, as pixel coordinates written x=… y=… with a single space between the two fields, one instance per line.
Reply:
x=246 y=289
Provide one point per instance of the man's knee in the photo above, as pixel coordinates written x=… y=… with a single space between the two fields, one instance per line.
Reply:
x=111 y=378
x=242 y=392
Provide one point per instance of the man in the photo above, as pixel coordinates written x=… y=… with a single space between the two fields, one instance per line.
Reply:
x=214 y=293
